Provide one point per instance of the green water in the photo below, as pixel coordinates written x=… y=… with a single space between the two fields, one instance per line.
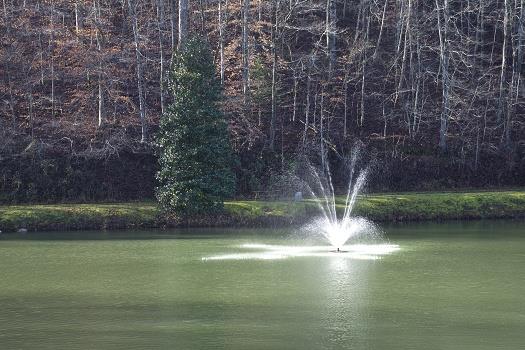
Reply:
x=450 y=286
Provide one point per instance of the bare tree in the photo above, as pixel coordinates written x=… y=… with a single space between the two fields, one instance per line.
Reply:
x=96 y=11
x=160 y=23
x=245 y=48
x=52 y=56
x=444 y=45
x=330 y=32
x=183 y=22
x=274 y=68
x=138 y=62
x=221 y=38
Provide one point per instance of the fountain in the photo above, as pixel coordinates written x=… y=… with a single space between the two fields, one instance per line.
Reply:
x=336 y=226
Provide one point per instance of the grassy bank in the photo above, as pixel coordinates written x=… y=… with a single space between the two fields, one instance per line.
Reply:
x=380 y=207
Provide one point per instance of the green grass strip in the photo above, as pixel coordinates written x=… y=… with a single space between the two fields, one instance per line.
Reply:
x=380 y=207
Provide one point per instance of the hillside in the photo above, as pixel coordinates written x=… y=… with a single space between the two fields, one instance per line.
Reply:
x=434 y=90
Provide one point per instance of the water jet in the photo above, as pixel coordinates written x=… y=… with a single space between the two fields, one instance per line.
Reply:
x=336 y=223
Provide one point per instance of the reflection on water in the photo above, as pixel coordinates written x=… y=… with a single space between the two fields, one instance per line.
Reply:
x=275 y=252
x=341 y=281
x=345 y=297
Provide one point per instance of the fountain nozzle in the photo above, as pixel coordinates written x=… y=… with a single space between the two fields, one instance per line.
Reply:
x=338 y=250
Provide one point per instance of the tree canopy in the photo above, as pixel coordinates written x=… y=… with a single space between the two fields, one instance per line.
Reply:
x=194 y=151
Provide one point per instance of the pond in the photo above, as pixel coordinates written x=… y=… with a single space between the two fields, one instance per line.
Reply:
x=457 y=285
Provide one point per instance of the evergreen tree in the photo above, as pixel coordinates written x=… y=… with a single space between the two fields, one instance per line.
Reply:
x=195 y=154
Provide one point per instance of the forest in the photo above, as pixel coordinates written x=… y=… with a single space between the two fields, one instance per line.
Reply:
x=433 y=91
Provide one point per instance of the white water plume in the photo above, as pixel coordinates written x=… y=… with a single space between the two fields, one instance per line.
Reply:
x=337 y=227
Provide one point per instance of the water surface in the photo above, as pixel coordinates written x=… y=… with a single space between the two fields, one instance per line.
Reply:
x=445 y=286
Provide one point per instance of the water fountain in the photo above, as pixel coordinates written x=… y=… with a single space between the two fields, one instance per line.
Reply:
x=336 y=223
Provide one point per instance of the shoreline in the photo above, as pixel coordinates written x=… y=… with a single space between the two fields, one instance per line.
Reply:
x=393 y=207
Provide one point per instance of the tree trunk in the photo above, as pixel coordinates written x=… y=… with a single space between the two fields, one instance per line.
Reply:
x=77 y=18
x=503 y=75
x=183 y=22
x=203 y=19
x=295 y=85
x=308 y=98
x=52 y=59
x=345 y=112
x=274 y=67
x=330 y=32
x=100 y=66
x=173 y=20
x=445 y=80
x=138 y=62
x=380 y=31
x=245 y=49
x=160 y=23
x=221 y=42
x=363 y=70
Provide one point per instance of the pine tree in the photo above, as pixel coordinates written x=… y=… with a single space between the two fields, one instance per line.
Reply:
x=195 y=155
